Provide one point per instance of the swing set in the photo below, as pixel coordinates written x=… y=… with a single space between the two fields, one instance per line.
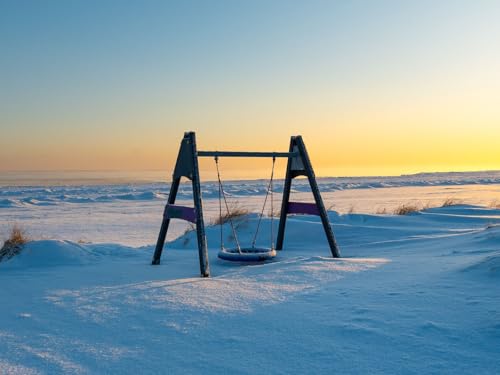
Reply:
x=298 y=164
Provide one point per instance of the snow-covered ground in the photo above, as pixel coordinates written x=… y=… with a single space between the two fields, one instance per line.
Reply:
x=412 y=294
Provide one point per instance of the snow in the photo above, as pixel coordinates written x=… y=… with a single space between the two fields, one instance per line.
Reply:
x=412 y=294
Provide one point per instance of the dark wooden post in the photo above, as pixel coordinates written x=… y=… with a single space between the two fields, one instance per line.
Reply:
x=165 y=222
x=186 y=166
x=317 y=197
x=300 y=165
x=200 y=224
x=285 y=199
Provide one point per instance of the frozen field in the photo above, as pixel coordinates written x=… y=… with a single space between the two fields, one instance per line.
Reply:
x=130 y=214
x=412 y=294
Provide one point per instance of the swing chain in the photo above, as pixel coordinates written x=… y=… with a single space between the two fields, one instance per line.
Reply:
x=272 y=204
x=220 y=207
x=223 y=194
x=269 y=191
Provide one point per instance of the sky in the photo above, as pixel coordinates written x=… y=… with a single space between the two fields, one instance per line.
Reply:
x=374 y=87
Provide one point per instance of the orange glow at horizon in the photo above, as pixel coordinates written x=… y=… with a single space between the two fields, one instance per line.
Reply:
x=380 y=89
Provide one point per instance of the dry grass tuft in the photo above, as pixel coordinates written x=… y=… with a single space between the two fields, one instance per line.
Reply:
x=427 y=206
x=406 y=208
x=381 y=211
x=235 y=211
x=275 y=213
x=14 y=244
x=191 y=227
x=495 y=204
x=451 y=202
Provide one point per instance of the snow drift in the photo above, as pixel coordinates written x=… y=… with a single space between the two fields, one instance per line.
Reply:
x=412 y=294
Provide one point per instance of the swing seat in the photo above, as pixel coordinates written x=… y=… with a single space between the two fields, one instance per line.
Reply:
x=247 y=254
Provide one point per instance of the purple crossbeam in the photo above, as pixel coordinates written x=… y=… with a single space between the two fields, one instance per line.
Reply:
x=303 y=208
x=173 y=211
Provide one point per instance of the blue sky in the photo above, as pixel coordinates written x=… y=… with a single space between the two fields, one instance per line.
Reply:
x=113 y=84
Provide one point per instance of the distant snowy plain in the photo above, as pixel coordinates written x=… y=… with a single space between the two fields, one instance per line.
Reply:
x=412 y=294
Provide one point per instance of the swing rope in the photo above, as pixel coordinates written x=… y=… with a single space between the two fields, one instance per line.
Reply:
x=269 y=191
x=220 y=209
x=272 y=204
x=223 y=194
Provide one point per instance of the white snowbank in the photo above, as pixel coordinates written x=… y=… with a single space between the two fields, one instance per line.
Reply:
x=490 y=266
x=48 y=253
x=412 y=294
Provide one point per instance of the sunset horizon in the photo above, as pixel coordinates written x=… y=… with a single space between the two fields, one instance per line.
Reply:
x=383 y=88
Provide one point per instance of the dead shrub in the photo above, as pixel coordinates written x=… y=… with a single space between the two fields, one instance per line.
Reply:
x=191 y=227
x=495 y=204
x=235 y=211
x=14 y=244
x=275 y=213
x=406 y=208
x=451 y=202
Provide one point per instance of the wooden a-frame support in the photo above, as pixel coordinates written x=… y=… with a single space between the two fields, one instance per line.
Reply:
x=186 y=166
x=299 y=164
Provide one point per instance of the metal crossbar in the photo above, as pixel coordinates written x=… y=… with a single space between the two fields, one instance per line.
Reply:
x=248 y=154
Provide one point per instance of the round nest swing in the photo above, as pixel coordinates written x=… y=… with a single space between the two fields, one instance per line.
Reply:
x=250 y=254
x=245 y=254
